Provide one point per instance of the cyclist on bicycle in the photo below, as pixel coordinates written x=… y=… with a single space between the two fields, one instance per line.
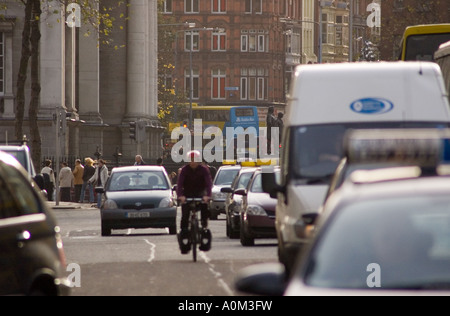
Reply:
x=194 y=182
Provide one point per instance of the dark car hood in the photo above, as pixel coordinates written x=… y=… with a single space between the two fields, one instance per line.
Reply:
x=129 y=198
x=262 y=199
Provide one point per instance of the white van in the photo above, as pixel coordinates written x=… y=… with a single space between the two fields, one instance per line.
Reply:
x=329 y=99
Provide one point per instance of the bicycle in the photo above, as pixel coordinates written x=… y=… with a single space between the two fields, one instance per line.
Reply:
x=194 y=229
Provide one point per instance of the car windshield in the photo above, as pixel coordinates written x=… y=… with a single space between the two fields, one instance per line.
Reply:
x=318 y=149
x=243 y=180
x=19 y=155
x=226 y=177
x=407 y=238
x=138 y=181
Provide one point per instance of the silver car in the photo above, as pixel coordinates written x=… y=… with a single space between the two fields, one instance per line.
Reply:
x=138 y=197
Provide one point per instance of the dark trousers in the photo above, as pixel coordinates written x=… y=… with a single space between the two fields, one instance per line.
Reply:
x=185 y=215
x=78 y=192
x=65 y=194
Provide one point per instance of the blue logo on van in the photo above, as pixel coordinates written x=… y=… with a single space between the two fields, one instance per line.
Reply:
x=372 y=106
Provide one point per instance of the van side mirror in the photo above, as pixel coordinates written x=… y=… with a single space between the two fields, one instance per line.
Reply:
x=270 y=186
x=226 y=190
x=241 y=192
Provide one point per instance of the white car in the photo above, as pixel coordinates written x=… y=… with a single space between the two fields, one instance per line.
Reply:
x=385 y=232
x=224 y=178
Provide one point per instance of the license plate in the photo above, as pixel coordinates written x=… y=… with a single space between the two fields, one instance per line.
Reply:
x=138 y=215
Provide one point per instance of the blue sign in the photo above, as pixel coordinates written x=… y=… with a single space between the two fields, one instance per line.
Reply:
x=371 y=106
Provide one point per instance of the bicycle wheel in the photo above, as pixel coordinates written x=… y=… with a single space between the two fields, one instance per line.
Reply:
x=194 y=237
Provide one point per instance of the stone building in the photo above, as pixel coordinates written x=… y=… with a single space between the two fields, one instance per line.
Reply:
x=102 y=87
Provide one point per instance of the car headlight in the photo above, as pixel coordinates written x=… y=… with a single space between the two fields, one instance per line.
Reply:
x=166 y=202
x=110 y=205
x=256 y=210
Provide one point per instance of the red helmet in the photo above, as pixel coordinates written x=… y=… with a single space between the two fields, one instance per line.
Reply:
x=194 y=155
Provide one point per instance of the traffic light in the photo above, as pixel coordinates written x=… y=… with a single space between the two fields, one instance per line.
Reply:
x=133 y=130
x=185 y=124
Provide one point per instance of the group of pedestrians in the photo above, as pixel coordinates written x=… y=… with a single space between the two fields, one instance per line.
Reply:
x=84 y=177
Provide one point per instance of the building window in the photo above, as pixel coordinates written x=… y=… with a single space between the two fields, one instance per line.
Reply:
x=254 y=84
x=218 y=84
x=219 y=6
x=219 y=41
x=253 y=6
x=167 y=6
x=187 y=83
x=192 y=39
x=191 y=6
x=254 y=43
x=244 y=43
x=2 y=63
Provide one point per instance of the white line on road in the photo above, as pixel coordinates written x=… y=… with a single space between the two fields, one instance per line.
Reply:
x=217 y=275
x=152 y=250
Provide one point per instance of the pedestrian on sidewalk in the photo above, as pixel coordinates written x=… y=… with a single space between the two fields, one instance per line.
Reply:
x=50 y=184
x=99 y=179
x=78 y=173
x=65 y=182
x=88 y=173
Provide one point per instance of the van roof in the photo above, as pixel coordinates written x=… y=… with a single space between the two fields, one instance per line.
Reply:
x=367 y=92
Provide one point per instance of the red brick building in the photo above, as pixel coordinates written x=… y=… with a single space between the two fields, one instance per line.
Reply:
x=238 y=49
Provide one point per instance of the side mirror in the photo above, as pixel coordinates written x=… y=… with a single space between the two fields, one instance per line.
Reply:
x=174 y=188
x=263 y=279
x=241 y=192
x=270 y=186
x=226 y=190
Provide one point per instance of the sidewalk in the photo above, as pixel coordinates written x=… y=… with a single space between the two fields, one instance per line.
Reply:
x=71 y=206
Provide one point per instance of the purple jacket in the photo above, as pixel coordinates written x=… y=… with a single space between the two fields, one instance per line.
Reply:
x=194 y=182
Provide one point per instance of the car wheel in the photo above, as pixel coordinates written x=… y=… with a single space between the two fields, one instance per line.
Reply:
x=106 y=231
x=228 y=227
x=214 y=216
x=173 y=230
x=246 y=240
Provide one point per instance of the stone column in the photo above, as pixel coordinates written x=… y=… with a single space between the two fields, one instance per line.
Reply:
x=89 y=76
x=52 y=57
x=142 y=60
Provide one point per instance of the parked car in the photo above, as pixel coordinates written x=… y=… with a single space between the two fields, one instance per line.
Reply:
x=359 y=96
x=138 y=197
x=257 y=211
x=32 y=256
x=224 y=178
x=233 y=201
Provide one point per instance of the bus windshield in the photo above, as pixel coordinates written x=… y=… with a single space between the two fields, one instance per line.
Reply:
x=423 y=47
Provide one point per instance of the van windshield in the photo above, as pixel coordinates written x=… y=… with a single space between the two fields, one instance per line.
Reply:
x=317 y=149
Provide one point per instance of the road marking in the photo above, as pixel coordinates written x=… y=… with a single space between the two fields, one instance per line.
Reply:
x=216 y=274
x=152 y=250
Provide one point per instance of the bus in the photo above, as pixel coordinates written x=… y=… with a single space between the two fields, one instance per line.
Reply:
x=240 y=118
x=420 y=42
x=221 y=117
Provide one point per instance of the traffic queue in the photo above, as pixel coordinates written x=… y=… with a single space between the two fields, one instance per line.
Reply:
x=364 y=179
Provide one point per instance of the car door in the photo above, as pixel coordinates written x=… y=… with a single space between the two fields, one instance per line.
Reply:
x=24 y=232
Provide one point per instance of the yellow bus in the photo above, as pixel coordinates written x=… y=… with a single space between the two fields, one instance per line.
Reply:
x=420 y=42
